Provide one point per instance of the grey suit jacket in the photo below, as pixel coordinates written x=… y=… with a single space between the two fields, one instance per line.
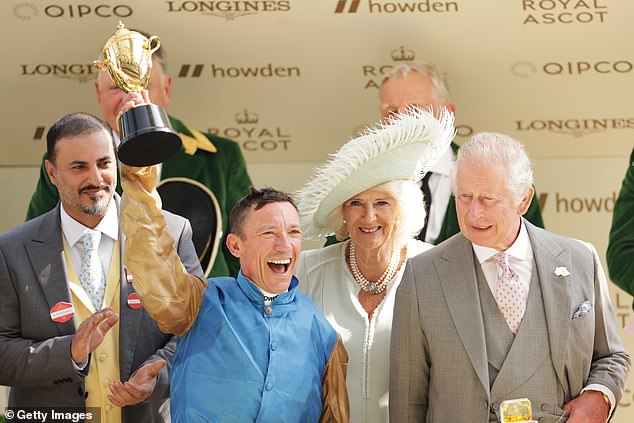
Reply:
x=439 y=369
x=35 y=351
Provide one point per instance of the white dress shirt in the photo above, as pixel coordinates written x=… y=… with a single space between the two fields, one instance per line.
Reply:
x=73 y=231
x=520 y=260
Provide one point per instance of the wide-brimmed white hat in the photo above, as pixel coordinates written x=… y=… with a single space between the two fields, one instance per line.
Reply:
x=404 y=148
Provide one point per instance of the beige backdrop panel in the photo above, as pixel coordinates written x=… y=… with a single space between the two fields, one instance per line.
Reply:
x=291 y=80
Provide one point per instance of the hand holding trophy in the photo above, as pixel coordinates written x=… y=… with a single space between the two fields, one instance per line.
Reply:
x=147 y=137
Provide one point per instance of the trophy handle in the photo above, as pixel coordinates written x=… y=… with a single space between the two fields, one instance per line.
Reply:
x=99 y=65
x=157 y=44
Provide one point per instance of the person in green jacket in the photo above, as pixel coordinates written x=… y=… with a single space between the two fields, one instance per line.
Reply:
x=215 y=162
x=421 y=85
x=620 y=254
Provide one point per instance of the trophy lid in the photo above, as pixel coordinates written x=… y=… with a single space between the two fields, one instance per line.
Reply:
x=123 y=33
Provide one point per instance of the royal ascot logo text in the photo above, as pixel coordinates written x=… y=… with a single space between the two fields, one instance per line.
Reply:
x=564 y=11
x=27 y=10
x=373 y=74
x=80 y=72
x=574 y=127
x=395 y=6
x=254 y=136
x=228 y=9
x=573 y=68
x=232 y=72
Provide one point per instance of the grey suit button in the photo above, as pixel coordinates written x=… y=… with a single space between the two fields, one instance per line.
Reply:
x=495 y=406
x=544 y=406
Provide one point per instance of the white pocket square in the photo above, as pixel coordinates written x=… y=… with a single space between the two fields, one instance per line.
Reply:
x=583 y=309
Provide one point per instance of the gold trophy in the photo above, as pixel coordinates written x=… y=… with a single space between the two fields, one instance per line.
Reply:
x=516 y=411
x=147 y=138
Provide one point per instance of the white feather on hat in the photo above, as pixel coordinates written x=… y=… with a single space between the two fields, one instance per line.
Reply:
x=405 y=148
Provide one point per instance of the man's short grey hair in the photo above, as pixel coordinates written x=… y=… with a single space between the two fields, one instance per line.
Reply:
x=491 y=148
x=429 y=69
x=409 y=211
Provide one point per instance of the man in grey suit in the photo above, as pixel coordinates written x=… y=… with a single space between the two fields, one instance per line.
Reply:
x=503 y=310
x=60 y=343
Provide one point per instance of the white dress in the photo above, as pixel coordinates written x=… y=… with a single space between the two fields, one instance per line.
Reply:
x=324 y=276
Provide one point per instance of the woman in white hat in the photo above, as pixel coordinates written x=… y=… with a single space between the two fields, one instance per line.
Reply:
x=367 y=192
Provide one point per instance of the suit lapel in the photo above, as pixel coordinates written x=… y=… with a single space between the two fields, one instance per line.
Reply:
x=461 y=293
x=548 y=256
x=46 y=251
x=129 y=319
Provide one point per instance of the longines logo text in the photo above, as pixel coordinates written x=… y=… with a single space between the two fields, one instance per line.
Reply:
x=79 y=72
x=564 y=11
x=229 y=9
x=575 y=127
x=580 y=67
x=216 y=71
x=396 y=6
x=26 y=10
x=252 y=135
x=373 y=74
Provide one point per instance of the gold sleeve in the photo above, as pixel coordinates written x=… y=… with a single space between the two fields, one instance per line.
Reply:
x=168 y=292
x=335 y=404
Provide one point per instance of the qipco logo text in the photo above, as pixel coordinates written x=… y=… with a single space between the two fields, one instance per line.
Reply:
x=582 y=67
x=86 y=10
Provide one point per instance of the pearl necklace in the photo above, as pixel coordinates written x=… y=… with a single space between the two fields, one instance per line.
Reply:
x=387 y=276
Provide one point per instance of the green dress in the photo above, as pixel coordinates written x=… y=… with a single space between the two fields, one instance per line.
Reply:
x=224 y=172
x=620 y=254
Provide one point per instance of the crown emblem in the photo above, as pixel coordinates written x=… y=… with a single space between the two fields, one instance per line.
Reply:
x=403 y=55
x=246 y=117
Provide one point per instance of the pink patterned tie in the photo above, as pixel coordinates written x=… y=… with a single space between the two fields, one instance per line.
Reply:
x=510 y=294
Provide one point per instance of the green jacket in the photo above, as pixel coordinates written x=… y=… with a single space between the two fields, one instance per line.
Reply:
x=450 y=226
x=223 y=172
x=620 y=254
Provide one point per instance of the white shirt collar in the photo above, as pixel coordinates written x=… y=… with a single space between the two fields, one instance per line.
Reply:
x=445 y=164
x=73 y=230
x=518 y=250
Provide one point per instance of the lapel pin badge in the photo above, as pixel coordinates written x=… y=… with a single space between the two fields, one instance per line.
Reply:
x=62 y=312
x=133 y=301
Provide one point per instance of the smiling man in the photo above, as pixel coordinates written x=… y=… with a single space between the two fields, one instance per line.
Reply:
x=503 y=310
x=69 y=329
x=252 y=349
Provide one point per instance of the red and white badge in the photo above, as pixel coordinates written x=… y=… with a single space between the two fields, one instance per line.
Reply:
x=62 y=312
x=128 y=275
x=133 y=301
